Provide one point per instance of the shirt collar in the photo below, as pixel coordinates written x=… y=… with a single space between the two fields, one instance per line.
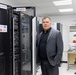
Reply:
x=47 y=30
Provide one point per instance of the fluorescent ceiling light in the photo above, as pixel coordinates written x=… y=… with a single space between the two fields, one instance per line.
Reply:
x=64 y=2
x=66 y=10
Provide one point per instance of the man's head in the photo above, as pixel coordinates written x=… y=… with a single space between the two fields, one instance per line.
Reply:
x=46 y=23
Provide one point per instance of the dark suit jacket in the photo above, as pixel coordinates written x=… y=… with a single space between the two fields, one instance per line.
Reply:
x=54 y=46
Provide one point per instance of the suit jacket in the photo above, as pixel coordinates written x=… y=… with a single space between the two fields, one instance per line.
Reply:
x=54 y=46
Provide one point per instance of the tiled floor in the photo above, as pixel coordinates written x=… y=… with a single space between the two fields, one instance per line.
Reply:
x=63 y=70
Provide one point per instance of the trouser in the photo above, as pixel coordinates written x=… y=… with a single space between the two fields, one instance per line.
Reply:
x=48 y=69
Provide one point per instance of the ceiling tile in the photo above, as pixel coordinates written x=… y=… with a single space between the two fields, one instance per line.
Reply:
x=40 y=1
x=44 y=4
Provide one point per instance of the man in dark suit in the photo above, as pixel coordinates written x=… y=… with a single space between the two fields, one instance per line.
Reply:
x=50 y=48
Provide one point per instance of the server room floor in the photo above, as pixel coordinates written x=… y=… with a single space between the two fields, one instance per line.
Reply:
x=62 y=70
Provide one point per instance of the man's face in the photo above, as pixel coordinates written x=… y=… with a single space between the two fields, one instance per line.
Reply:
x=46 y=24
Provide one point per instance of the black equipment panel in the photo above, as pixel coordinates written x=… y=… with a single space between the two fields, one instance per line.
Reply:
x=6 y=41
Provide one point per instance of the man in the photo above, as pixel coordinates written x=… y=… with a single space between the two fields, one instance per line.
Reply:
x=50 y=48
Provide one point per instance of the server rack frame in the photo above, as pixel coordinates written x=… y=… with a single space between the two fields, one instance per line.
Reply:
x=33 y=8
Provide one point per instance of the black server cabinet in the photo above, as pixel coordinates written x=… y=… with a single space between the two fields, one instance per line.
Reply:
x=22 y=44
x=6 y=40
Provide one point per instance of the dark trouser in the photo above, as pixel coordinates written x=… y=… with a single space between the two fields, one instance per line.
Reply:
x=48 y=69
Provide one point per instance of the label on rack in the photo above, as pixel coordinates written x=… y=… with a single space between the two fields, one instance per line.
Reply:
x=3 y=28
x=20 y=9
x=3 y=6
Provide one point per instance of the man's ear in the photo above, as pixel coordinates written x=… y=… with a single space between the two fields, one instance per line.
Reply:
x=51 y=23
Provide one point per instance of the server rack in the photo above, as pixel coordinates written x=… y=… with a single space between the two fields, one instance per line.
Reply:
x=57 y=26
x=6 y=46
x=22 y=44
x=31 y=12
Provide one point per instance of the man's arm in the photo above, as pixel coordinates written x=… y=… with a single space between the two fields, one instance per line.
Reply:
x=59 y=49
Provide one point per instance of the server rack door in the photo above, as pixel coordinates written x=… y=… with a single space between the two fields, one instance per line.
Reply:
x=22 y=44
x=25 y=45
x=5 y=42
x=2 y=57
x=34 y=45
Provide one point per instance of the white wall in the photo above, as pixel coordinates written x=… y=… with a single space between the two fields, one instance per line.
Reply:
x=66 y=21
